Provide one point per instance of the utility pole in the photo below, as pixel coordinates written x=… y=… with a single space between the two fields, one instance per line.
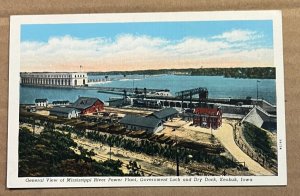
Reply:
x=257 y=81
x=110 y=150
x=210 y=126
x=182 y=101
x=191 y=97
x=132 y=84
x=125 y=96
x=33 y=127
x=177 y=157
x=177 y=162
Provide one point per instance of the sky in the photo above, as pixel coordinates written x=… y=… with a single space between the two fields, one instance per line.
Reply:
x=146 y=45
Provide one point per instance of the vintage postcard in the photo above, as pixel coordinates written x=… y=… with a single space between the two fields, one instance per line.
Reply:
x=146 y=99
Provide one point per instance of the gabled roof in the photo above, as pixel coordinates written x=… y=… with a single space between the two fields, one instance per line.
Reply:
x=65 y=110
x=207 y=111
x=40 y=100
x=257 y=116
x=60 y=102
x=164 y=113
x=254 y=118
x=140 y=121
x=84 y=102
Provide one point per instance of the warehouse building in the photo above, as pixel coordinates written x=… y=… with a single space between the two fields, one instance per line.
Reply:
x=165 y=114
x=64 y=112
x=149 y=124
x=88 y=105
x=60 y=103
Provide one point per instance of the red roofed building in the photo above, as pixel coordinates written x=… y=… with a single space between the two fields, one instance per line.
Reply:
x=88 y=105
x=208 y=117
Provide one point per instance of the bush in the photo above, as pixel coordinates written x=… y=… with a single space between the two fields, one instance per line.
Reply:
x=259 y=139
x=51 y=154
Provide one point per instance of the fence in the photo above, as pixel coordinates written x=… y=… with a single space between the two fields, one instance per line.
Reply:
x=246 y=148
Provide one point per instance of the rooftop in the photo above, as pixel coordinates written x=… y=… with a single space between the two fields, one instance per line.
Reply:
x=60 y=102
x=53 y=73
x=65 y=110
x=208 y=111
x=257 y=116
x=40 y=100
x=141 y=121
x=164 y=113
x=84 y=102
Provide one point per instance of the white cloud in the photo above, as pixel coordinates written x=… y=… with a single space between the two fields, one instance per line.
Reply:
x=195 y=46
x=238 y=35
x=139 y=52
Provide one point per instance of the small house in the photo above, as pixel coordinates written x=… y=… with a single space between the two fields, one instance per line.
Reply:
x=41 y=102
x=65 y=112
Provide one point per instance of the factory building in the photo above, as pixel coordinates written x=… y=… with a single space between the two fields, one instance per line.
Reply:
x=54 y=78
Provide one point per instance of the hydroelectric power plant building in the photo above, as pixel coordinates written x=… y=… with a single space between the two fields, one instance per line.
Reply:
x=54 y=78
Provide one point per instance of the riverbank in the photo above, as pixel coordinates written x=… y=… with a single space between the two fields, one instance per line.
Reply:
x=218 y=87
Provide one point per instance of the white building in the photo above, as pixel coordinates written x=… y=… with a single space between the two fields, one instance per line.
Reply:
x=54 y=78
x=65 y=112
x=41 y=102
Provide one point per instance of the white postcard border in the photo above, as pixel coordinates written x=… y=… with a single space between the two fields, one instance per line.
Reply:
x=13 y=181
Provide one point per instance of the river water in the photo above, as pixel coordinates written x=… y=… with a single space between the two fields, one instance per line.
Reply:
x=218 y=87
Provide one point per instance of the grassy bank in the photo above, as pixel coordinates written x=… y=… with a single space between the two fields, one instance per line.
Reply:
x=259 y=140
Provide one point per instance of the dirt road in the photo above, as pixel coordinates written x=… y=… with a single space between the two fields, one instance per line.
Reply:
x=225 y=135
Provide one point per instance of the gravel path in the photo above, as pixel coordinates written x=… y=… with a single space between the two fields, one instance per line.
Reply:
x=225 y=135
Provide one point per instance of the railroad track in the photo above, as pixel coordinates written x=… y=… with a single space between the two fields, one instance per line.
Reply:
x=189 y=167
x=103 y=158
x=146 y=171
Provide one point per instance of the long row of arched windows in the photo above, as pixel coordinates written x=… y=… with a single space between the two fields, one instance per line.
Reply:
x=79 y=76
x=67 y=75
x=45 y=81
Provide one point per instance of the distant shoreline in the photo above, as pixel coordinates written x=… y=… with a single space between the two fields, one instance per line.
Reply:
x=241 y=72
x=251 y=73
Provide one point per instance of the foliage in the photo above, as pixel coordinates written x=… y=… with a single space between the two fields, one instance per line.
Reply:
x=259 y=139
x=252 y=72
x=201 y=154
x=51 y=154
x=157 y=149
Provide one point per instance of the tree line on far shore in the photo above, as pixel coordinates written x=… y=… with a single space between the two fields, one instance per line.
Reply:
x=239 y=72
